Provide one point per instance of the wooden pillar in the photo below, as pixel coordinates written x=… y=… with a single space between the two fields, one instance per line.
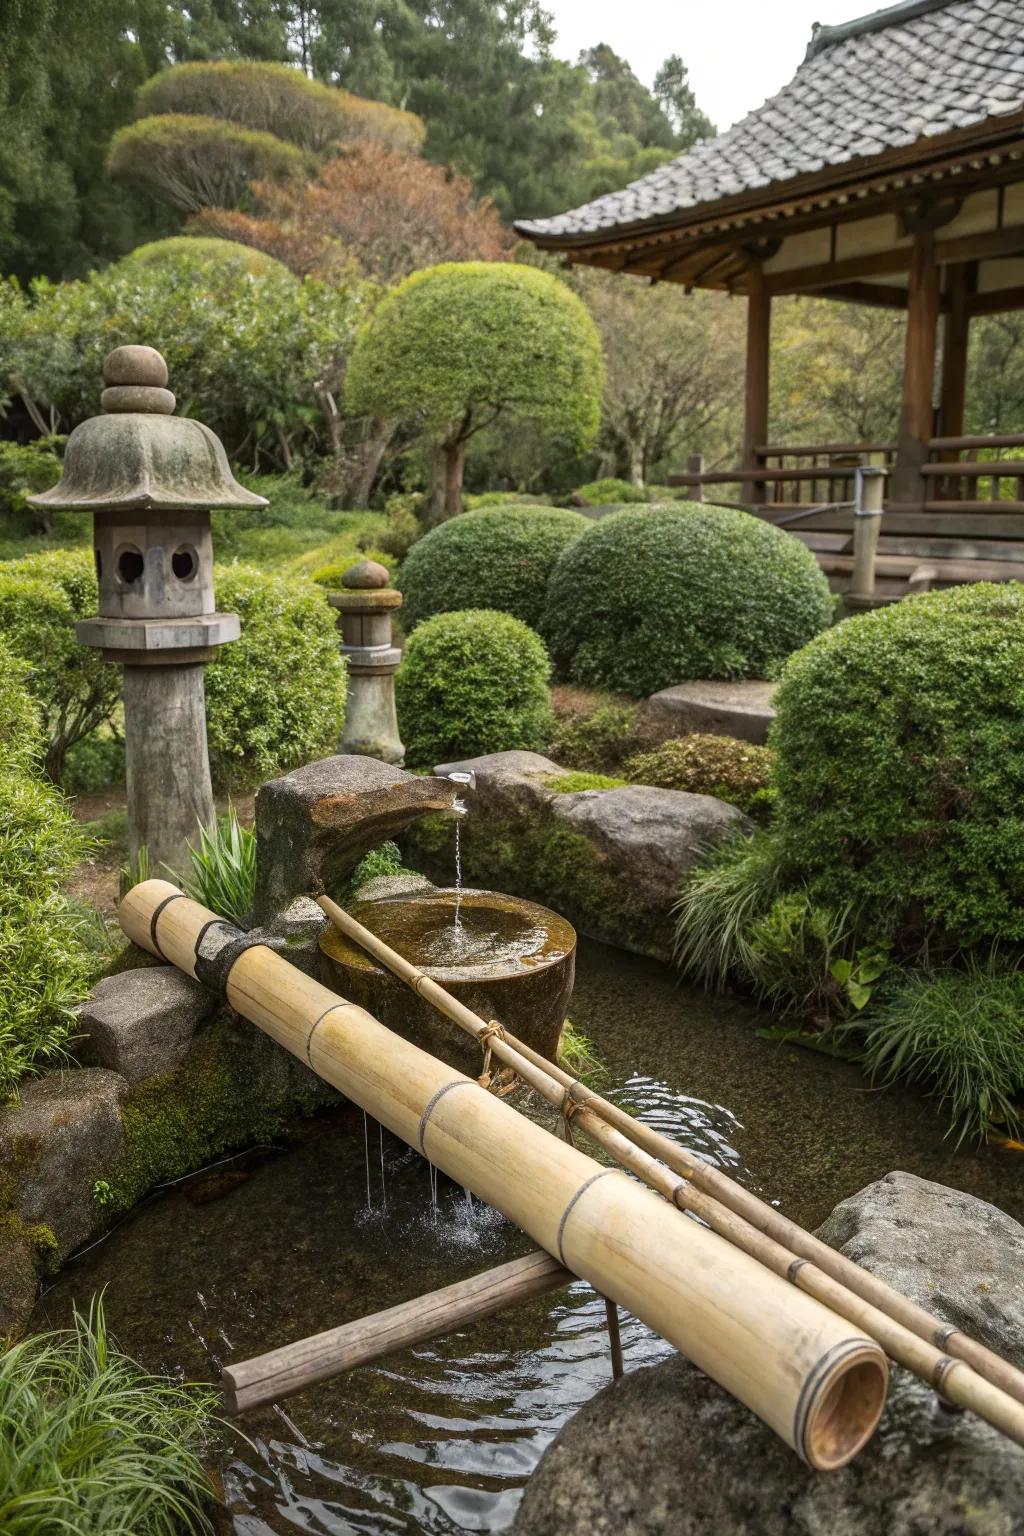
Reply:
x=908 y=484
x=961 y=278
x=755 y=425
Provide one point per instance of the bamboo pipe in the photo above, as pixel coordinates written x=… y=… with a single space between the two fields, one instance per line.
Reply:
x=282 y=1372
x=651 y=1156
x=819 y=1384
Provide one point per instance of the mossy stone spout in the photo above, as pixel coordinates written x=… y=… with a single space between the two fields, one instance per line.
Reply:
x=507 y=959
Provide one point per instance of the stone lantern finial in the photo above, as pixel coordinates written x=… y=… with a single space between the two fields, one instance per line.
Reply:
x=150 y=479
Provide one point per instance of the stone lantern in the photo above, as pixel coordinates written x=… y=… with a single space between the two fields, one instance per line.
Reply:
x=150 y=479
x=364 y=609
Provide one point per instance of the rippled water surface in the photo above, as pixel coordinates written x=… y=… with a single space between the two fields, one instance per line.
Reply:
x=348 y=1221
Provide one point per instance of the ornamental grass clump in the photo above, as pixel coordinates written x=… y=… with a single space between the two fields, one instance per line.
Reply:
x=470 y=683
x=652 y=596
x=223 y=875
x=899 y=769
x=93 y=1445
x=736 y=771
x=500 y=558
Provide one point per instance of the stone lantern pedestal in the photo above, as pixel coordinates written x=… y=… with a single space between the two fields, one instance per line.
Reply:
x=150 y=479
x=365 y=607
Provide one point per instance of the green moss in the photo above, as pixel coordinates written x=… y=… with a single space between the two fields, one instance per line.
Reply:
x=573 y=783
x=235 y=1089
x=43 y=1242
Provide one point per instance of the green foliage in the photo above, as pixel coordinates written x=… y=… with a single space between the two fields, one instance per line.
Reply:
x=41 y=596
x=652 y=596
x=193 y=162
x=380 y=863
x=43 y=959
x=595 y=738
x=574 y=783
x=486 y=499
x=26 y=468
x=94 y=1444
x=469 y=683
x=792 y=949
x=960 y=1033
x=275 y=697
x=474 y=339
x=329 y=575
x=223 y=875
x=501 y=558
x=899 y=768
x=205 y=248
x=403 y=528
x=296 y=532
x=577 y=1053
x=722 y=897
x=730 y=770
x=603 y=492
x=93 y=763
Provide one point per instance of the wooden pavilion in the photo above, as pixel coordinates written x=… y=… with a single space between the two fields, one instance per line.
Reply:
x=889 y=171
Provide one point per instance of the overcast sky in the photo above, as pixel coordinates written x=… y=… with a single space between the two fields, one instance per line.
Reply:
x=738 y=52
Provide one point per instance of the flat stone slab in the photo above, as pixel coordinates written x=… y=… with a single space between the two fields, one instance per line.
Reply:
x=666 y=1452
x=742 y=709
x=140 y=1023
x=62 y=1135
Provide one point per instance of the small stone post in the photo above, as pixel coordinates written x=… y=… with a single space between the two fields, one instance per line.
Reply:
x=150 y=479
x=364 y=618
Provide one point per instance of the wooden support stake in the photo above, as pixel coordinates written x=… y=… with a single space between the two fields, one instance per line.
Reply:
x=614 y=1339
x=867 y=525
x=755 y=421
x=282 y=1372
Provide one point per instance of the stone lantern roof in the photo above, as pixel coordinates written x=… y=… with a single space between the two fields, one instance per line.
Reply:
x=137 y=455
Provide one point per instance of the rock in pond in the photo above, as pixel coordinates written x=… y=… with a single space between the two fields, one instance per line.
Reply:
x=666 y=1452
x=139 y=1023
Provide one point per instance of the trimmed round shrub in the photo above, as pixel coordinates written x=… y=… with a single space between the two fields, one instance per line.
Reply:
x=730 y=770
x=202 y=249
x=602 y=493
x=276 y=697
x=899 y=767
x=470 y=683
x=652 y=596
x=501 y=559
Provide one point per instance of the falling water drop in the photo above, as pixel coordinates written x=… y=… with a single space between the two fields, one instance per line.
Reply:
x=383 y=1181
x=366 y=1156
x=458 y=873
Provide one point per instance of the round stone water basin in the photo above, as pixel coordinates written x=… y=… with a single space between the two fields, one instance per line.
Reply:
x=505 y=958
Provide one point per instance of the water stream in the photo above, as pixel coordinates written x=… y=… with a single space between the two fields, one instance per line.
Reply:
x=347 y=1220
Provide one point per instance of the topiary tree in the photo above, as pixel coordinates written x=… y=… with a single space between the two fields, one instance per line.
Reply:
x=899 y=768
x=500 y=559
x=192 y=162
x=652 y=596
x=458 y=345
x=41 y=597
x=276 y=697
x=470 y=683
x=204 y=248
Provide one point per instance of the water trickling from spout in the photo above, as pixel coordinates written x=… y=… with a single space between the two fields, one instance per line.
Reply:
x=366 y=1153
x=458 y=874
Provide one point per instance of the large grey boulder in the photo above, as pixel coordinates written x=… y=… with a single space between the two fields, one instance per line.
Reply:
x=63 y=1134
x=639 y=843
x=314 y=825
x=666 y=1452
x=140 y=1023
x=742 y=709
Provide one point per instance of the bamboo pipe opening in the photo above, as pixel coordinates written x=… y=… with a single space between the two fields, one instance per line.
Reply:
x=844 y=1411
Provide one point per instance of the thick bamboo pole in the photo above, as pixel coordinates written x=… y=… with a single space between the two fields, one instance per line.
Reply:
x=817 y=1382
x=283 y=1372
x=908 y=1333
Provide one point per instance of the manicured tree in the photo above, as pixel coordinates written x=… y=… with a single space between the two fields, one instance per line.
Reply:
x=199 y=248
x=456 y=346
x=192 y=162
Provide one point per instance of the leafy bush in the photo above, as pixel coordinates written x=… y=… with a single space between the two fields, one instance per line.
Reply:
x=205 y=248
x=500 y=559
x=93 y=763
x=297 y=531
x=329 y=575
x=223 y=874
x=94 y=1444
x=609 y=491
x=899 y=768
x=26 y=468
x=472 y=682
x=402 y=528
x=960 y=1032
x=652 y=596
x=594 y=737
x=707 y=765
x=720 y=901
x=275 y=697
x=43 y=960
x=41 y=596
x=479 y=501
x=193 y=162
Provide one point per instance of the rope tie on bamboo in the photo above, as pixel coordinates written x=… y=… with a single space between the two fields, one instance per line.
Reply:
x=494 y=1031
x=569 y=1106
x=571 y=1206
x=457 y=1082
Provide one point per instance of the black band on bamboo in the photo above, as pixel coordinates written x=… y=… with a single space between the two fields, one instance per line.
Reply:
x=942 y=1369
x=458 y=1082
x=795 y=1268
x=177 y=896
x=569 y=1208
x=218 y=945
x=315 y=1026
x=942 y=1336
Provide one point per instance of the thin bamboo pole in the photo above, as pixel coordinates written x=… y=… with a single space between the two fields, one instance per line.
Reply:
x=817 y=1382
x=282 y=1372
x=695 y=1186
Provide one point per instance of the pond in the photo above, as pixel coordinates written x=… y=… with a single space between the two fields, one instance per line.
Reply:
x=346 y=1221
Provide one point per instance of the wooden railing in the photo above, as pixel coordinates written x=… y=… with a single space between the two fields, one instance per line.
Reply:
x=828 y=476
x=975 y=484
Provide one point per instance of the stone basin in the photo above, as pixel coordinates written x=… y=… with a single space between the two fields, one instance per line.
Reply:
x=508 y=959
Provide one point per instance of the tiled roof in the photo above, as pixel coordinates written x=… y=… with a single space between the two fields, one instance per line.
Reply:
x=910 y=72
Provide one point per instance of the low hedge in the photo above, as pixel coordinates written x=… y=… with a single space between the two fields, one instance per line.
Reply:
x=500 y=558
x=652 y=596
x=730 y=770
x=470 y=683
